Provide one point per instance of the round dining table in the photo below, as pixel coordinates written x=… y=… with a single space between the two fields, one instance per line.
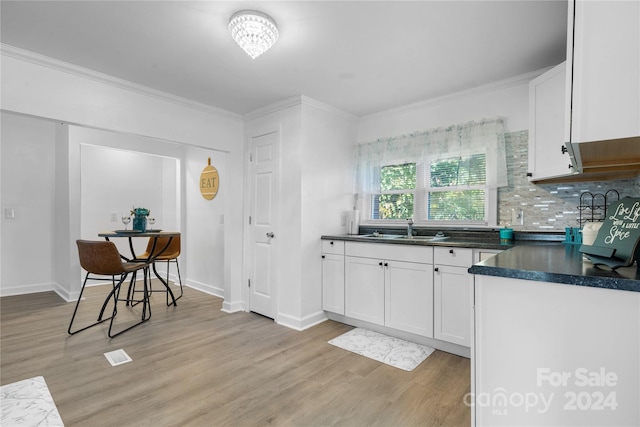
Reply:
x=152 y=255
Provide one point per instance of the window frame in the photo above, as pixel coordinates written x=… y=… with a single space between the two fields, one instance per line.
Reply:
x=421 y=194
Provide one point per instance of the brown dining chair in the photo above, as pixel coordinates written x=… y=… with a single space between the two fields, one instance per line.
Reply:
x=101 y=258
x=167 y=248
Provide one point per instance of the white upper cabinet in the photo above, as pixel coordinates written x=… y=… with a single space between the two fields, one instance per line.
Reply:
x=603 y=71
x=548 y=157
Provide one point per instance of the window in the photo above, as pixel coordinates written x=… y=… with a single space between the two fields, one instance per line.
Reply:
x=450 y=189
x=443 y=176
x=456 y=189
x=396 y=198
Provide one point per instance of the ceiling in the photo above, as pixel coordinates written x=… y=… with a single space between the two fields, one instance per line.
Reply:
x=362 y=57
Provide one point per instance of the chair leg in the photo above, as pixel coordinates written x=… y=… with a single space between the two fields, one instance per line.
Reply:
x=100 y=320
x=132 y=288
x=179 y=280
x=106 y=301
x=179 y=277
x=146 y=308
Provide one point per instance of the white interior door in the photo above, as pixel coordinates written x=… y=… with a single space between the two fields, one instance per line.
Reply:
x=262 y=229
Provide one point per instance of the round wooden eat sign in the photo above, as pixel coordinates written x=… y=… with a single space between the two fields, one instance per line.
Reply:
x=209 y=181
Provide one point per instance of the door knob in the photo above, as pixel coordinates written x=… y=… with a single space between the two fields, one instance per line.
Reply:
x=271 y=235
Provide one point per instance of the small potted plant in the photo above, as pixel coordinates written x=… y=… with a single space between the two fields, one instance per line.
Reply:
x=140 y=218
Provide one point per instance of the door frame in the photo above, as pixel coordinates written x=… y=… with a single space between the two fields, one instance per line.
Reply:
x=247 y=212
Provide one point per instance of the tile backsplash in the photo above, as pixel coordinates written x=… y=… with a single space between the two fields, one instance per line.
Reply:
x=546 y=207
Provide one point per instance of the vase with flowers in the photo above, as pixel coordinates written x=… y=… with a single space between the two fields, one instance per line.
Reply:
x=140 y=218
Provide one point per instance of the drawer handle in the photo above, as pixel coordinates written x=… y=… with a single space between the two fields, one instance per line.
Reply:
x=331 y=243
x=450 y=251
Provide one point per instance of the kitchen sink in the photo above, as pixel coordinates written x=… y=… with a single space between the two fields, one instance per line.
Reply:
x=402 y=237
x=425 y=238
x=380 y=236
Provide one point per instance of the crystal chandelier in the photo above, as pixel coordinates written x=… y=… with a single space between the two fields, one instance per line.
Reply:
x=254 y=31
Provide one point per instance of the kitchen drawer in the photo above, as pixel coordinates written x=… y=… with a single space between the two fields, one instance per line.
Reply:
x=333 y=247
x=460 y=257
x=408 y=253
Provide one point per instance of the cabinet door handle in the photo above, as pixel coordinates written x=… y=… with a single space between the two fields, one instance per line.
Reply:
x=322 y=256
x=386 y=264
x=331 y=243
x=380 y=263
x=450 y=251
x=436 y=269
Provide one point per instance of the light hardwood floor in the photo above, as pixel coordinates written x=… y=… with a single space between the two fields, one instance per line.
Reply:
x=194 y=365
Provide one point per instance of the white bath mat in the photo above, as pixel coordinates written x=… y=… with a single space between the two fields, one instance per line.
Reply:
x=28 y=403
x=392 y=351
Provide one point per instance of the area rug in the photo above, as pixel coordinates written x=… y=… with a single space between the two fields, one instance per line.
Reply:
x=389 y=350
x=28 y=403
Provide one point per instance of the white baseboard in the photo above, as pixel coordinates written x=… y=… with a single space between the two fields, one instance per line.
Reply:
x=300 y=324
x=28 y=289
x=203 y=287
x=233 y=307
x=407 y=336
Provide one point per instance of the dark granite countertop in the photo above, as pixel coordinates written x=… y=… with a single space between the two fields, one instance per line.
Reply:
x=530 y=256
x=475 y=239
x=557 y=263
x=478 y=243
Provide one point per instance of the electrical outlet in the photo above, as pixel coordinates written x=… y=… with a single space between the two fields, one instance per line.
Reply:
x=517 y=216
x=114 y=216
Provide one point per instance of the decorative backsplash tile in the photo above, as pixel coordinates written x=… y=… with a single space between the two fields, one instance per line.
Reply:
x=547 y=206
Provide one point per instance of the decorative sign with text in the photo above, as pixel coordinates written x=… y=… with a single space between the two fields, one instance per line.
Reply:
x=209 y=181
x=617 y=239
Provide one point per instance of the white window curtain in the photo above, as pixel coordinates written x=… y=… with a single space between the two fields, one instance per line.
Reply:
x=485 y=136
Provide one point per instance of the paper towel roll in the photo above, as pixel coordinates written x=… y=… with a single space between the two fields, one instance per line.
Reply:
x=589 y=232
x=353 y=222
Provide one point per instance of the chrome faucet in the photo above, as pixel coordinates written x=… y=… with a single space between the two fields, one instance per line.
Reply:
x=409 y=227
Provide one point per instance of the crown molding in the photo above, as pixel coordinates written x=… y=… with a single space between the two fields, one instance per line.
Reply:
x=296 y=101
x=480 y=90
x=55 y=64
x=322 y=106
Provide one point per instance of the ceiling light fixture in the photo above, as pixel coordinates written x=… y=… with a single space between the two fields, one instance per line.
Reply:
x=254 y=31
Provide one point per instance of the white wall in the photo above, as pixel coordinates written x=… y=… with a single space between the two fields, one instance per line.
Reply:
x=27 y=155
x=326 y=192
x=115 y=181
x=315 y=188
x=205 y=225
x=285 y=119
x=44 y=87
x=93 y=103
x=508 y=99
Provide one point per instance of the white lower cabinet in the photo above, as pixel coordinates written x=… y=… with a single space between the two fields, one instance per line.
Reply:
x=408 y=297
x=382 y=289
x=423 y=290
x=364 y=289
x=333 y=276
x=453 y=295
x=453 y=288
